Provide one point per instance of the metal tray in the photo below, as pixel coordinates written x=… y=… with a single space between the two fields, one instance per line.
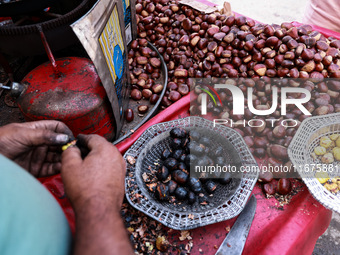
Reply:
x=227 y=201
x=138 y=121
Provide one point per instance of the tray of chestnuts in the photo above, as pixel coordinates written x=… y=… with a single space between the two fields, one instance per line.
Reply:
x=172 y=173
x=315 y=154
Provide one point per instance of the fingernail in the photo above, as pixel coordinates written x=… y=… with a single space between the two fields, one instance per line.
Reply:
x=62 y=138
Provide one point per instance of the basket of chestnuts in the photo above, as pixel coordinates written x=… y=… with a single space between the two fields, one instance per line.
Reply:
x=188 y=173
x=315 y=154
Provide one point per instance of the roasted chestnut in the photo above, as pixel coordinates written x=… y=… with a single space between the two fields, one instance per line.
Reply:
x=206 y=141
x=182 y=166
x=162 y=173
x=217 y=152
x=175 y=143
x=225 y=178
x=178 y=132
x=181 y=193
x=195 y=185
x=165 y=154
x=172 y=186
x=152 y=187
x=202 y=199
x=191 y=197
x=177 y=154
x=182 y=157
x=179 y=176
x=191 y=159
x=194 y=135
x=195 y=148
x=171 y=163
x=210 y=186
x=220 y=161
x=162 y=191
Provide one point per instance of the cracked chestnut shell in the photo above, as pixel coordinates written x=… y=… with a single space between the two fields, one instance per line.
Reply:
x=162 y=192
x=172 y=186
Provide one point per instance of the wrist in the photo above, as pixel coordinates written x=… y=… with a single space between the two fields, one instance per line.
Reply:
x=96 y=203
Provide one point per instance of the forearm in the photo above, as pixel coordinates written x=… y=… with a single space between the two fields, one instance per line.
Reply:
x=100 y=229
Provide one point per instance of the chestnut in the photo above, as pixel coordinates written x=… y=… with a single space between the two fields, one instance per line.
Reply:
x=269 y=189
x=225 y=178
x=176 y=143
x=191 y=197
x=171 y=163
x=162 y=173
x=165 y=154
x=284 y=186
x=180 y=176
x=202 y=199
x=136 y=94
x=174 y=96
x=172 y=186
x=154 y=98
x=178 y=132
x=195 y=185
x=266 y=177
x=157 y=88
x=182 y=166
x=210 y=186
x=177 y=154
x=143 y=109
x=162 y=191
x=129 y=115
x=181 y=193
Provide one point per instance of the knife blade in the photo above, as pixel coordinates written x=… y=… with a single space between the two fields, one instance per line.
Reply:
x=234 y=243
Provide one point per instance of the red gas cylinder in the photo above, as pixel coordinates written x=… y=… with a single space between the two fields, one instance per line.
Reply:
x=75 y=97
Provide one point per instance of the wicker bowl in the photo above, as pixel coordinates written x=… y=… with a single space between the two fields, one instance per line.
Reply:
x=300 y=149
x=227 y=201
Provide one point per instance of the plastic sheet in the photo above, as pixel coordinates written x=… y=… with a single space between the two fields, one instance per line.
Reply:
x=291 y=229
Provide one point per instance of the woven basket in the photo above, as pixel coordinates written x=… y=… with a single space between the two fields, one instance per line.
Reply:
x=227 y=201
x=305 y=140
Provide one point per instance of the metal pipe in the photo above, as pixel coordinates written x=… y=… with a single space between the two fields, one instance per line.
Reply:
x=49 y=52
x=2 y=86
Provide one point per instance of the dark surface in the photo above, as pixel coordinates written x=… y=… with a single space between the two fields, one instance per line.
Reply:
x=9 y=114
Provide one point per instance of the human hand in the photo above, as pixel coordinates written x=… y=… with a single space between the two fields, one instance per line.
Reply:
x=98 y=179
x=35 y=145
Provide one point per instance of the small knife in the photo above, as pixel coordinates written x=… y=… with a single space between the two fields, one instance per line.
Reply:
x=234 y=243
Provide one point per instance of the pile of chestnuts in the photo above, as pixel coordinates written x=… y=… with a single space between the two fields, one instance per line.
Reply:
x=199 y=45
x=145 y=71
x=172 y=180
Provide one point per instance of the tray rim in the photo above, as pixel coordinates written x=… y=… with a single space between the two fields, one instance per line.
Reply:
x=207 y=213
